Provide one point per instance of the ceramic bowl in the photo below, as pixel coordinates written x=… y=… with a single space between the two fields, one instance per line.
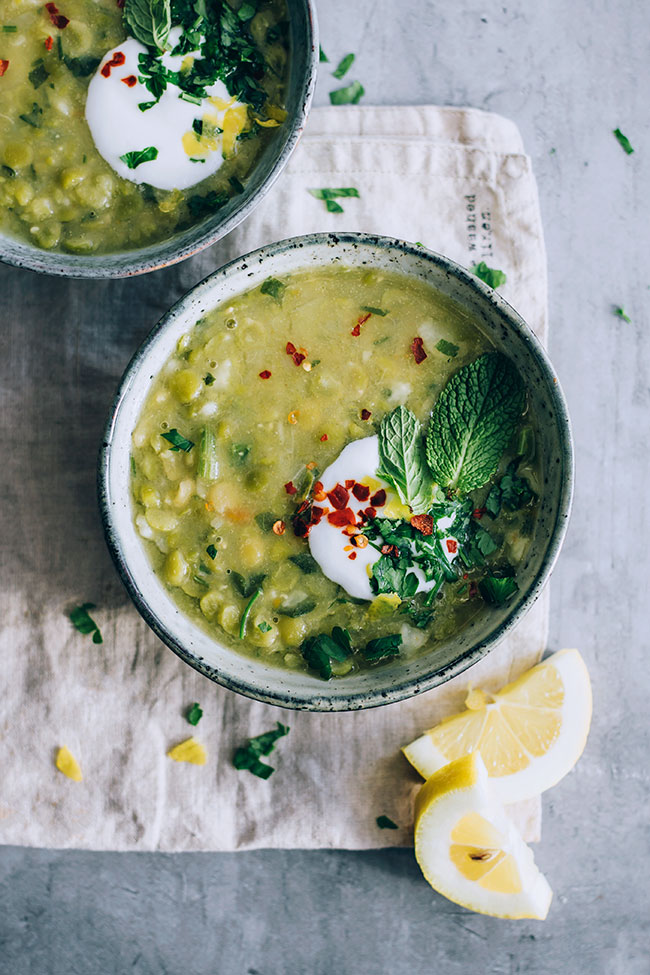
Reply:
x=303 y=63
x=392 y=681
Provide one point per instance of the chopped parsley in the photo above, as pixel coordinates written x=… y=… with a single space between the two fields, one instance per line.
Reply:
x=209 y=379
x=264 y=627
x=212 y=551
x=624 y=142
x=320 y=651
x=239 y=452
x=84 y=623
x=498 y=591
x=34 y=117
x=329 y=196
x=383 y=648
x=294 y=610
x=343 y=66
x=274 y=288
x=194 y=714
x=266 y=520
x=202 y=206
x=511 y=492
x=322 y=57
x=305 y=562
x=374 y=311
x=246 y=587
x=236 y=184
x=9 y=28
x=492 y=276
x=81 y=67
x=350 y=95
x=383 y=822
x=247 y=758
x=138 y=156
x=178 y=441
x=621 y=313
x=38 y=74
x=447 y=348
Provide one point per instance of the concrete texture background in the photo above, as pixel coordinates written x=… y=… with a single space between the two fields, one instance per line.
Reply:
x=567 y=74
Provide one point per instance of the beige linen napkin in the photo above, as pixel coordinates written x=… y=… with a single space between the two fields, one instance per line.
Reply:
x=458 y=181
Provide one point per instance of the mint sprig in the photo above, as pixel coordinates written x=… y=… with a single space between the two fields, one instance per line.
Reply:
x=149 y=21
x=473 y=422
x=402 y=460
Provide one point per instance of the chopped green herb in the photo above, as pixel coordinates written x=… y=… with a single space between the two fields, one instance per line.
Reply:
x=8 y=171
x=34 y=117
x=248 y=757
x=81 y=67
x=473 y=422
x=385 y=823
x=264 y=626
x=138 y=156
x=132 y=465
x=274 y=288
x=246 y=613
x=177 y=441
x=193 y=99
x=197 y=126
x=374 y=311
x=624 y=142
x=305 y=562
x=246 y=11
x=239 y=452
x=196 y=160
x=298 y=609
x=194 y=714
x=350 y=95
x=208 y=462
x=402 y=460
x=212 y=551
x=383 y=648
x=492 y=276
x=38 y=74
x=319 y=651
x=419 y=243
x=236 y=184
x=511 y=491
x=246 y=587
x=343 y=66
x=266 y=520
x=322 y=57
x=209 y=379
x=447 y=348
x=202 y=206
x=9 y=28
x=145 y=106
x=83 y=622
x=149 y=21
x=498 y=591
x=622 y=314
x=329 y=197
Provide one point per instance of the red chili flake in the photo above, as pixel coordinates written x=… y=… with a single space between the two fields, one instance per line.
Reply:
x=465 y=575
x=3 y=66
x=130 y=81
x=324 y=438
x=360 y=541
x=423 y=523
x=370 y=512
x=350 y=484
x=356 y=331
x=317 y=513
x=49 y=41
x=57 y=19
x=116 y=61
x=297 y=356
x=361 y=492
x=417 y=348
x=479 y=512
x=279 y=527
x=452 y=546
x=342 y=518
x=365 y=414
x=352 y=556
x=290 y=489
x=339 y=497
x=265 y=373
x=378 y=500
x=319 y=494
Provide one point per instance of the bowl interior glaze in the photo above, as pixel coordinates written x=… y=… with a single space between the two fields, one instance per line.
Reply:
x=303 y=61
x=389 y=682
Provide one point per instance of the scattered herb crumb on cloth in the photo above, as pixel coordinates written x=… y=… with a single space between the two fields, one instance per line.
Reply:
x=449 y=162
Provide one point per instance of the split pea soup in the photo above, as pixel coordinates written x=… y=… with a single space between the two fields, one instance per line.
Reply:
x=336 y=469
x=123 y=127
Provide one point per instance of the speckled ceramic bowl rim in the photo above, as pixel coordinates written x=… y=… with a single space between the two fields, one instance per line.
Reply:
x=415 y=685
x=207 y=233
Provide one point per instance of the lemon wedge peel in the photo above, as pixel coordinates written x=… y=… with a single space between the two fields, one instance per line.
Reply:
x=469 y=851
x=530 y=734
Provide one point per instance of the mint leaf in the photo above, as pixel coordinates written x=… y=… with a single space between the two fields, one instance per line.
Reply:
x=83 y=622
x=624 y=142
x=343 y=66
x=149 y=21
x=473 y=421
x=194 y=714
x=447 y=348
x=350 y=95
x=402 y=459
x=490 y=275
x=138 y=156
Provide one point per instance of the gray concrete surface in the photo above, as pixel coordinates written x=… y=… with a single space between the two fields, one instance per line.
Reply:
x=568 y=73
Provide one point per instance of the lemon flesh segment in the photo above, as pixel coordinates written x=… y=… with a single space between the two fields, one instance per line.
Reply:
x=469 y=851
x=68 y=764
x=529 y=734
x=190 y=750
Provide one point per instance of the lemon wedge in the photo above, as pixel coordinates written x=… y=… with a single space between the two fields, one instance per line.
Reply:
x=190 y=750
x=469 y=851
x=529 y=734
x=68 y=764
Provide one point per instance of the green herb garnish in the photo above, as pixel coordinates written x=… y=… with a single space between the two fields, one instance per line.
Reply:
x=247 y=610
x=266 y=520
x=236 y=184
x=498 y=591
x=34 y=117
x=8 y=171
x=622 y=314
x=209 y=379
x=624 y=142
x=246 y=587
x=473 y=422
x=490 y=275
x=298 y=609
x=246 y=11
x=350 y=95
x=239 y=452
x=177 y=441
x=382 y=648
x=264 y=627
x=402 y=460
x=319 y=651
x=81 y=67
x=212 y=551
x=343 y=66
x=305 y=562
x=38 y=74
x=9 y=28
x=83 y=622
x=329 y=196
x=447 y=348
x=374 y=311
x=202 y=206
x=385 y=823
x=511 y=491
x=194 y=714
x=208 y=463
x=274 y=288
x=248 y=757
x=149 y=21
x=322 y=57
x=138 y=156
